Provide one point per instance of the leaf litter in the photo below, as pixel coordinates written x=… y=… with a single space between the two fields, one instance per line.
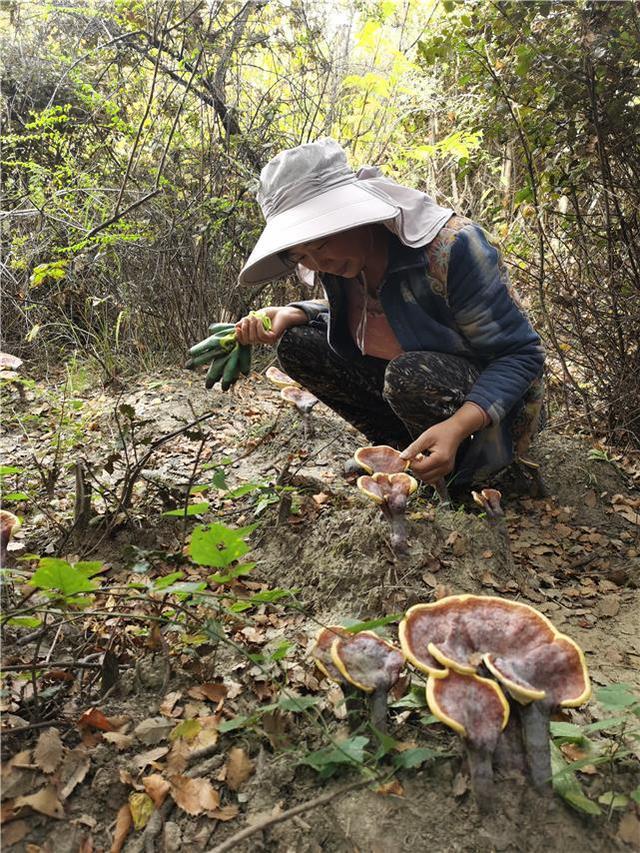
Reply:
x=577 y=570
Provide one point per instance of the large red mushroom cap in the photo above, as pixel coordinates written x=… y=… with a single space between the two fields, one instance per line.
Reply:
x=392 y=489
x=518 y=645
x=367 y=661
x=275 y=375
x=381 y=458
x=474 y=707
x=489 y=500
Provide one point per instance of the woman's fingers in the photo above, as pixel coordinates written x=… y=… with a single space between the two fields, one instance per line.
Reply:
x=250 y=331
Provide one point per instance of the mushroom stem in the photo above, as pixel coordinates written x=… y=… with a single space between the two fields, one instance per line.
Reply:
x=481 y=773
x=534 y=719
x=443 y=492
x=379 y=709
x=308 y=430
x=509 y=754
x=399 y=533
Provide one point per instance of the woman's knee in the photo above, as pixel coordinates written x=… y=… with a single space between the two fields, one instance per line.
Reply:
x=427 y=373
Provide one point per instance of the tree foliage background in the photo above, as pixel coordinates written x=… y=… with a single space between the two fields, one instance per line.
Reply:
x=133 y=134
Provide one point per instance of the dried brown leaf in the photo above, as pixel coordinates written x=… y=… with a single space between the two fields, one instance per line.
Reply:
x=141 y=760
x=225 y=813
x=156 y=787
x=213 y=692
x=124 y=822
x=73 y=769
x=168 y=703
x=94 y=718
x=49 y=749
x=194 y=796
x=629 y=830
x=609 y=605
x=153 y=730
x=14 y=833
x=121 y=741
x=44 y=801
x=391 y=788
x=239 y=768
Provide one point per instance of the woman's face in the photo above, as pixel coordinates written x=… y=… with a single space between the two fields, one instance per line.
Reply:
x=344 y=254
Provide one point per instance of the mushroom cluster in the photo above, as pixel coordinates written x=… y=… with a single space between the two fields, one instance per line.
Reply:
x=461 y=639
x=292 y=393
x=363 y=661
x=388 y=485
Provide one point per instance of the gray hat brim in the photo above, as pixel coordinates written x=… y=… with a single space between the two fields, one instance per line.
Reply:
x=338 y=209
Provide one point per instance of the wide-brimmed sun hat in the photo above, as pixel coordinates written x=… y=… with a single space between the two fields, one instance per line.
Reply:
x=310 y=192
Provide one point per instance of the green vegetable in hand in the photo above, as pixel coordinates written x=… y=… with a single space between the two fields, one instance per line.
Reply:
x=231 y=369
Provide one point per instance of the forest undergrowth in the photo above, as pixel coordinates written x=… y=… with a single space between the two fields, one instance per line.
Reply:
x=180 y=550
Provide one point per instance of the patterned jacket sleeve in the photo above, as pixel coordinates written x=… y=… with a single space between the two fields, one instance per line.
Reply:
x=495 y=326
x=312 y=308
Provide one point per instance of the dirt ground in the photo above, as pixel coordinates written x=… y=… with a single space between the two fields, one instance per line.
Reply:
x=575 y=557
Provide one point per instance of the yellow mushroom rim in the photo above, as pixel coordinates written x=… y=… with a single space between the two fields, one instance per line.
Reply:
x=324 y=638
x=554 y=641
x=279 y=378
x=484 y=689
x=381 y=458
x=340 y=665
x=379 y=486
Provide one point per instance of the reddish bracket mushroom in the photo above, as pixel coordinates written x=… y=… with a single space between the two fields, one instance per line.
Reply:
x=380 y=458
x=391 y=492
x=371 y=664
x=540 y=668
x=477 y=710
x=304 y=401
x=9 y=367
x=275 y=375
x=9 y=523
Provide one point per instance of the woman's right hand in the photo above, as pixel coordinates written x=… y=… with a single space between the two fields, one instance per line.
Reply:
x=250 y=329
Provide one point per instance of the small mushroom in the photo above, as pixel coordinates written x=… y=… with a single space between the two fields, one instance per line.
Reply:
x=304 y=401
x=540 y=667
x=9 y=524
x=380 y=458
x=489 y=500
x=391 y=492
x=477 y=710
x=275 y=375
x=371 y=664
x=9 y=367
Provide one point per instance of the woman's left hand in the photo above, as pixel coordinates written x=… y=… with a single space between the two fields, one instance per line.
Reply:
x=439 y=444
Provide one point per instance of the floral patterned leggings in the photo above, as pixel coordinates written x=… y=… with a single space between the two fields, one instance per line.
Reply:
x=391 y=402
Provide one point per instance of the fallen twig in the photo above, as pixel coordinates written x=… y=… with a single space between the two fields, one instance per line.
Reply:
x=230 y=843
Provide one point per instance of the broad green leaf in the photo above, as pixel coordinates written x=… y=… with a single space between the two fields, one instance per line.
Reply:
x=89 y=568
x=186 y=587
x=234 y=723
x=245 y=489
x=217 y=545
x=281 y=651
x=297 y=703
x=167 y=580
x=350 y=751
x=240 y=606
x=416 y=698
x=415 y=757
x=616 y=696
x=613 y=800
x=15 y=496
x=566 y=731
x=235 y=572
x=603 y=725
x=57 y=575
x=24 y=621
x=271 y=595
x=5 y=470
x=635 y=795
x=191 y=509
x=371 y=624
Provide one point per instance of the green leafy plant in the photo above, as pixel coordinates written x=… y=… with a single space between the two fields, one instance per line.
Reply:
x=616 y=736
